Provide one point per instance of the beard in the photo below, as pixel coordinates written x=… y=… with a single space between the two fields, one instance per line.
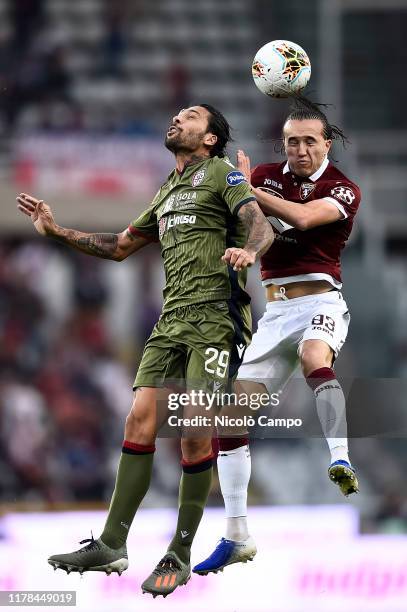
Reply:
x=183 y=143
x=173 y=143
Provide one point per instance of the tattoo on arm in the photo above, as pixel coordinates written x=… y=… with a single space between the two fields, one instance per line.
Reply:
x=100 y=245
x=260 y=235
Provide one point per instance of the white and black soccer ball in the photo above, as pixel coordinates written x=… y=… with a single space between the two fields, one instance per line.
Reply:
x=281 y=69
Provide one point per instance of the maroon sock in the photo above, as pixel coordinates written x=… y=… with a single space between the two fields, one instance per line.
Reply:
x=131 y=448
x=319 y=376
x=228 y=444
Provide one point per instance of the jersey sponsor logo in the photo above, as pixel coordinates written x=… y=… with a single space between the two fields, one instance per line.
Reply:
x=169 y=204
x=184 y=196
x=273 y=183
x=161 y=227
x=306 y=189
x=180 y=220
x=179 y=200
x=271 y=192
x=188 y=204
x=345 y=194
x=198 y=177
x=235 y=178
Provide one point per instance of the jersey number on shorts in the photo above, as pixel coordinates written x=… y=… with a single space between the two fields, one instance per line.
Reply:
x=221 y=360
x=324 y=320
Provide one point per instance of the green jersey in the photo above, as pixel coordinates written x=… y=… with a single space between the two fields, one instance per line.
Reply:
x=194 y=217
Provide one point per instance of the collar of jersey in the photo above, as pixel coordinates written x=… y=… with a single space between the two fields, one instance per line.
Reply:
x=317 y=174
x=202 y=161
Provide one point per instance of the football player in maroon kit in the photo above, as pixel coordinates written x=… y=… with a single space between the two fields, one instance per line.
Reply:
x=311 y=205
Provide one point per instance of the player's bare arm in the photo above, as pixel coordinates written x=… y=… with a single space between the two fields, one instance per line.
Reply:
x=301 y=216
x=259 y=239
x=260 y=234
x=105 y=245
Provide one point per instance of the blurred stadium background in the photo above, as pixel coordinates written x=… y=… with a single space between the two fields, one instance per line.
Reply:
x=86 y=92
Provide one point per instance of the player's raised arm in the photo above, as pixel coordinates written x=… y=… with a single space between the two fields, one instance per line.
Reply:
x=259 y=239
x=104 y=245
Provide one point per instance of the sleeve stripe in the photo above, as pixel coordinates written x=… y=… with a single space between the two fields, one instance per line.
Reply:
x=136 y=232
x=239 y=206
x=338 y=206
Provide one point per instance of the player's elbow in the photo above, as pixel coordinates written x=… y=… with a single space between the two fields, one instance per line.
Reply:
x=124 y=247
x=303 y=223
x=121 y=254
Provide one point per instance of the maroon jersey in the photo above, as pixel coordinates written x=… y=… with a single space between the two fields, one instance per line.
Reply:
x=313 y=254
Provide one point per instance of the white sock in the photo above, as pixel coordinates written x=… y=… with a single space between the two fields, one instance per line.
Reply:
x=331 y=409
x=340 y=452
x=236 y=528
x=234 y=467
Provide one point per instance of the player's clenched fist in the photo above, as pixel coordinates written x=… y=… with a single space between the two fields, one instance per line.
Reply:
x=40 y=213
x=239 y=258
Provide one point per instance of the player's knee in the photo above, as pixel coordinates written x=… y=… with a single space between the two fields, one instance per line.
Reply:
x=195 y=449
x=309 y=362
x=313 y=357
x=140 y=422
x=133 y=420
x=139 y=430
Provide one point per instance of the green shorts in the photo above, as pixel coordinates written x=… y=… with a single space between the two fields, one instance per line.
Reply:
x=200 y=346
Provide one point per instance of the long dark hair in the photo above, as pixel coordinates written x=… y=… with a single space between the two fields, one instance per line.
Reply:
x=218 y=125
x=302 y=108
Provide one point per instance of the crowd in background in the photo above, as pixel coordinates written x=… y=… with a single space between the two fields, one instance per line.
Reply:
x=38 y=72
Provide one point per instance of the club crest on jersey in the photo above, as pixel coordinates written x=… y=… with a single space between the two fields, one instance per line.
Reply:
x=162 y=224
x=345 y=194
x=306 y=189
x=198 y=177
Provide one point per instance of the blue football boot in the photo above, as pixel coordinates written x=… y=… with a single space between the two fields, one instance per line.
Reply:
x=226 y=553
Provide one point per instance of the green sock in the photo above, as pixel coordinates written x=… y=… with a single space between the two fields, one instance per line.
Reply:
x=132 y=482
x=193 y=493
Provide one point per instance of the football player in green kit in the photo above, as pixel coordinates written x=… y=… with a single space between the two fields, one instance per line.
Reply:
x=210 y=229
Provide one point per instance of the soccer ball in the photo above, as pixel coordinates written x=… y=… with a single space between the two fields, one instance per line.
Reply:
x=281 y=69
